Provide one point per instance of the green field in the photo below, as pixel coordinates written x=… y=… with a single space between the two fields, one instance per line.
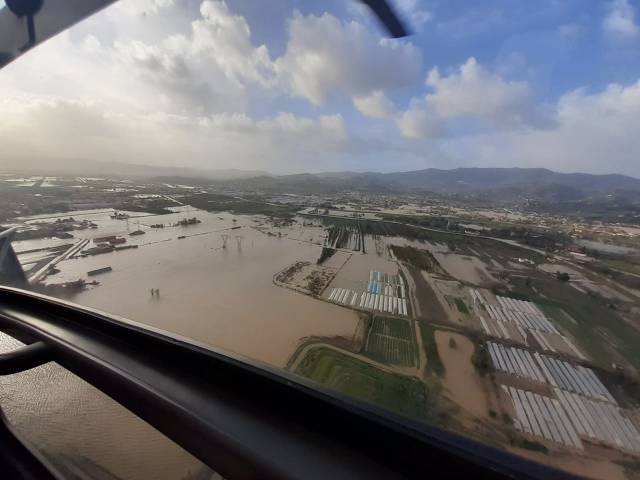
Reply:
x=391 y=341
x=350 y=376
x=225 y=203
x=462 y=307
x=624 y=266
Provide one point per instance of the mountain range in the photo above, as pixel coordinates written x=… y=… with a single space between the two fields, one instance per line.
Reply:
x=497 y=185
x=510 y=182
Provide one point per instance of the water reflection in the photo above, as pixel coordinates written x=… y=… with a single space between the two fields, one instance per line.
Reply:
x=84 y=433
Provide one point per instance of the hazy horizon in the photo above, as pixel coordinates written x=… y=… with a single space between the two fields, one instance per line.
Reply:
x=137 y=169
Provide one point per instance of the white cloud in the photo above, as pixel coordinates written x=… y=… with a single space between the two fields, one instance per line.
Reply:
x=620 y=21
x=207 y=69
x=326 y=56
x=146 y=94
x=222 y=140
x=413 y=12
x=418 y=123
x=193 y=86
x=571 y=31
x=376 y=105
x=473 y=90
x=224 y=39
x=470 y=93
x=143 y=7
x=594 y=133
x=203 y=66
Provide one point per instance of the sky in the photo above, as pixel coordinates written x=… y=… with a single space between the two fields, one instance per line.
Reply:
x=291 y=86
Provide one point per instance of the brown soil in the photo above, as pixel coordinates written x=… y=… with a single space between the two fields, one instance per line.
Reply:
x=306 y=277
x=428 y=306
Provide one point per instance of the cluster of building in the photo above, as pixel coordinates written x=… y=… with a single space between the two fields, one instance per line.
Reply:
x=521 y=321
x=546 y=369
x=343 y=296
x=566 y=403
x=542 y=416
x=385 y=293
x=570 y=417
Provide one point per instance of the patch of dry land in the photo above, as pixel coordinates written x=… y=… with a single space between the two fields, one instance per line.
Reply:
x=424 y=300
x=306 y=277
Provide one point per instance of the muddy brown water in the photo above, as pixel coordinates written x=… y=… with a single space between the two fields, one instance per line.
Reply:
x=461 y=380
x=221 y=297
x=465 y=268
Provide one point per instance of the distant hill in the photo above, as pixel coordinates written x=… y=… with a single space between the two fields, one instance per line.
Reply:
x=511 y=182
x=598 y=197
x=465 y=179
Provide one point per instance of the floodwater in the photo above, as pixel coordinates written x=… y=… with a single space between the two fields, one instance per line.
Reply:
x=38 y=243
x=465 y=268
x=79 y=428
x=221 y=297
x=607 y=248
x=461 y=380
x=422 y=244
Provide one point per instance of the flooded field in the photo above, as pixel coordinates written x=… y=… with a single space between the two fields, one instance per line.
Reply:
x=433 y=246
x=223 y=297
x=269 y=288
x=217 y=296
x=461 y=380
x=465 y=268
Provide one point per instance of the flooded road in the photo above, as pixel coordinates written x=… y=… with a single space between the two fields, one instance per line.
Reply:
x=221 y=297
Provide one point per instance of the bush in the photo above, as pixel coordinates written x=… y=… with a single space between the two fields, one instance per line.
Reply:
x=529 y=444
x=481 y=359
